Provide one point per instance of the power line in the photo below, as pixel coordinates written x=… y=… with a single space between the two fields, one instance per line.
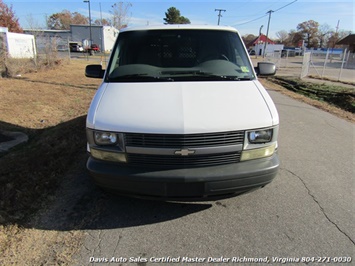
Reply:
x=250 y=21
x=265 y=14
x=285 y=6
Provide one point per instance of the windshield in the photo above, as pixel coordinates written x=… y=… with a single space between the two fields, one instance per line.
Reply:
x=179 y=55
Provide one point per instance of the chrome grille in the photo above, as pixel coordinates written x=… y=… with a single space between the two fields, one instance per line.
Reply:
x=184 y=140
x=182 y=161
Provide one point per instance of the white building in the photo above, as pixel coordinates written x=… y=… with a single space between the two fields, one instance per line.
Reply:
x=270 y=48
x=17 y=45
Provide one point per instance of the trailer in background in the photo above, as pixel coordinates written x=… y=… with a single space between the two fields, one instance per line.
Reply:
x=18 y=45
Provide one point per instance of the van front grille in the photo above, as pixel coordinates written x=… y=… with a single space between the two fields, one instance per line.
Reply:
x=173 y=161
x=221 y=140
x=184 y=141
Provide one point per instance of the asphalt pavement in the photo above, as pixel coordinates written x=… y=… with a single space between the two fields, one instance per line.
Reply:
x=306 y=214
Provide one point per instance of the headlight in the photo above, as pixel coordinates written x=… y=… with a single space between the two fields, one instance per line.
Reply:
x=258 y=153
x=105 y=138
x=260 y=136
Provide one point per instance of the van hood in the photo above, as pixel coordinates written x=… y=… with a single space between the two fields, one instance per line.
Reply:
x=181 y=107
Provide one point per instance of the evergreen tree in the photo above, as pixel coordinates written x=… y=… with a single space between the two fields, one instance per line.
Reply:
x=173 y=17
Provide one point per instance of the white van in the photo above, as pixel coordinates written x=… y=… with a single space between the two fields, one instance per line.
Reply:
x=181 y=114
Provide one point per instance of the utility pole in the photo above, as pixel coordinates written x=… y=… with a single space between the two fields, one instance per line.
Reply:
x=337 y=27
x=219 y=14
x=90 y=41
x=268 y=24
x=267 y=31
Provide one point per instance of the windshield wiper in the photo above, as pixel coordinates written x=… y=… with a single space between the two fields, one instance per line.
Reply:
x=139 y=77
x=207 y=75
x=221 y=77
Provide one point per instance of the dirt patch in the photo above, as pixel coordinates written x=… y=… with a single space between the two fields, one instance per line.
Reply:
x=38 y=247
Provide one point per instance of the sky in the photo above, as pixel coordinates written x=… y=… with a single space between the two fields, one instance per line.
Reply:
x=248 y=16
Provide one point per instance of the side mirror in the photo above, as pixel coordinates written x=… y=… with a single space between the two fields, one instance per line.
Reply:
x=94 y=71
x=265 y=69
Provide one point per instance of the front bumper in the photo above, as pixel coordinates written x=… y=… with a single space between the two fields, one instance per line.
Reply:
x=191 y=183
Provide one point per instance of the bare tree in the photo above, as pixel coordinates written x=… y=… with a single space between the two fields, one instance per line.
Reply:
x=324 y=33
x=62 y=20
x=309 y=29
x=120 y=16
x=294 y=38
x=248 y=38
x=282 y=36
x=102 y=22
x=32 y=23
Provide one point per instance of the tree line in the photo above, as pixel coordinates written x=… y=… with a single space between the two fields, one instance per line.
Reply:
x=310 y=32
x=313 y=34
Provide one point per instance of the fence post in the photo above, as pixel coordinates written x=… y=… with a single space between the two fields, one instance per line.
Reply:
x=68 y=44
x=347 y=59
x=325 y=63
x=305 y=64
x=342 y=64
x=34 y=50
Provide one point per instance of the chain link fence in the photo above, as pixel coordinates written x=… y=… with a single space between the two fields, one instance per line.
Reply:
x=328 y=64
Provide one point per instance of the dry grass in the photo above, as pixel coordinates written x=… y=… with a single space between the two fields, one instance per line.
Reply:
x=46 y=98
x=50 y=107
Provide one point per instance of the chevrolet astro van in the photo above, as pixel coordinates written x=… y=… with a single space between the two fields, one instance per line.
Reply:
x=181 y=114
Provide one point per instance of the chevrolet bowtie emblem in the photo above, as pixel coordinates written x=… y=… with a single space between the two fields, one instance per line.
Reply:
x=184 y=152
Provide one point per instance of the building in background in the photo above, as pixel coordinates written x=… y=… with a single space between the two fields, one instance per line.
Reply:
x=102 y=36
x=348 y=42
x=257 y=46
x=47 y=40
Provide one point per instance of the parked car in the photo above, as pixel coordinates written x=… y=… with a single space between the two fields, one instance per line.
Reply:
x=180 y=114
x=92 y=49
x=76 y=47
x=95 y=47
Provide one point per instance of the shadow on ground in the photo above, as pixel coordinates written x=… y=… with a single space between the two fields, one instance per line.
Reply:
x=44 y=185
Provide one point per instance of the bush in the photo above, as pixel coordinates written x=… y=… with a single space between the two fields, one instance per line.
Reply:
x=11 y=67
